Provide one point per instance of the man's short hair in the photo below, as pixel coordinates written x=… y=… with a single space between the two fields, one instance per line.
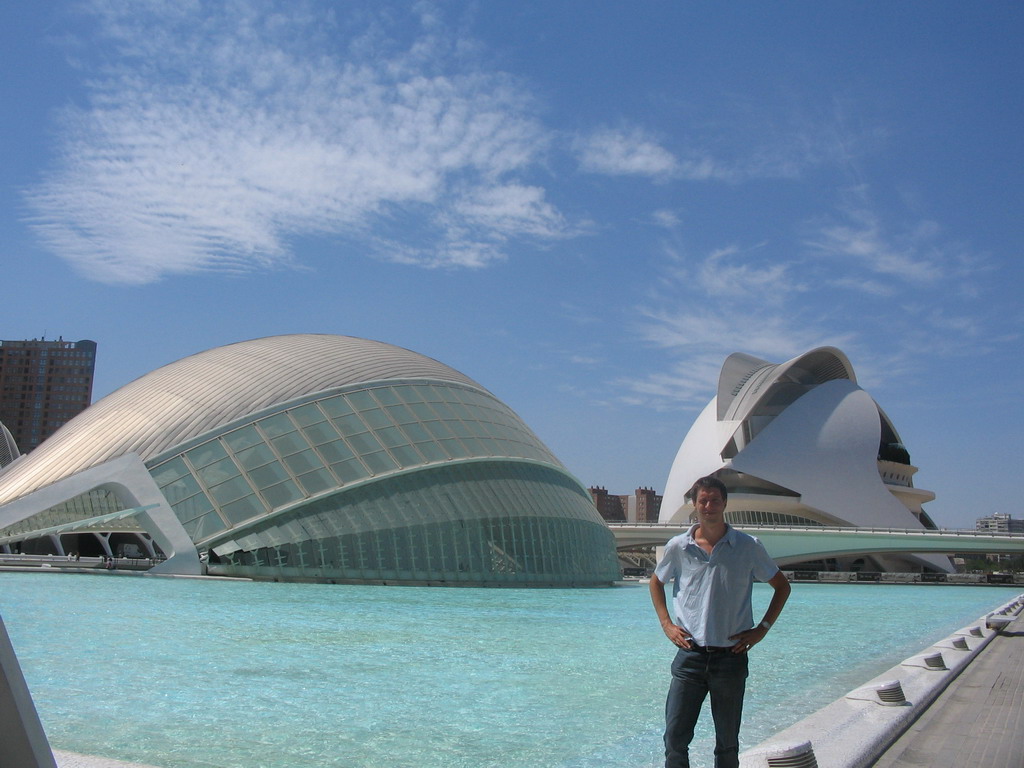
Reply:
x=707 y=482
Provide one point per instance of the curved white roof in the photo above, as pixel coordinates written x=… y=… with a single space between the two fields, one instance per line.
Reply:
x=198 y=393
x=745 y=380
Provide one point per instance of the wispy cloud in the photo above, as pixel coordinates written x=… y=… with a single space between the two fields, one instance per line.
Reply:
x=666 y=219
x=858 y=235
x=890 y=292
x=741 y=147
x=731 y=300
x=632 y=152
x=214 y=138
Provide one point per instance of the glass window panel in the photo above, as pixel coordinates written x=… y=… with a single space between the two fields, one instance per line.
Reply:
x=476 y=429
x=475 y=398
x=379 y=462
x=349 y=471
x=432 y=451
x=490 y=429
x=492 y=447
x=423 y=411
x=439 y=429
x=335 y=406
x=444 y=411
x=376 y=418
x=243 y=509
x=231 y=490
x=361 y=400
x=406 y=456
x=427 y=393
x=169 y=471
x=305 y=461
x=335 y=451
x=364 y=443
x=453 y=448
x=391 y=436
x=417 y=433
x=400 y=414
x=407 y=393
x=350 y=425
x=386 y=396
x=206 y=453
x=243 y=438
x=461 y=410
x=474 y=446
x=205 y=526
x=256 y=456
x=190 y=528
x=503 y=430
x=282 y=493
x=180 y=489
x=316 y=481
x=274 y=426
x=306 y=415
x=217 y=473
x=268 y=475
x=190 y=509
x=459 y=428
x=323 y=432
x=288 y=444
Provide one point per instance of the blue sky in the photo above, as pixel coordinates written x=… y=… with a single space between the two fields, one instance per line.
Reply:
x=584 y=206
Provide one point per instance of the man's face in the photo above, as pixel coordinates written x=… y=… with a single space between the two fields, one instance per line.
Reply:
x=709 y=505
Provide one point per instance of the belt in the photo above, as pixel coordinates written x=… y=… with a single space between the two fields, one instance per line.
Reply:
x=710 y=648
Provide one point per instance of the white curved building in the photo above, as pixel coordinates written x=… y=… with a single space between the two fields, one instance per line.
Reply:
x=800 y=443
x=315 y=457
x=8 y=448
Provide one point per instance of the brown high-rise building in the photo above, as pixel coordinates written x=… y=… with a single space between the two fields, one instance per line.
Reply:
x=611 y=508
x=642 y=507
x=648 y=505
x=43 y=385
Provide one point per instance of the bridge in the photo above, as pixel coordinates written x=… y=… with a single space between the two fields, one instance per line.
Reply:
x=788 y=544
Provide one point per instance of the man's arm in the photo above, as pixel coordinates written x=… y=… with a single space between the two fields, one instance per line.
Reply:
x=747 y=639
x=673 y=631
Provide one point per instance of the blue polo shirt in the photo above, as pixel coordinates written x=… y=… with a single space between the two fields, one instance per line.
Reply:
x=711 y=593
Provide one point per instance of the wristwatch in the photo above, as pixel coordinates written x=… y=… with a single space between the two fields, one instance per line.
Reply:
x=765 y=625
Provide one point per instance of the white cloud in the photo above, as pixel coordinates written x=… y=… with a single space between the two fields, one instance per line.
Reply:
x=633 y=153
x=215 y=137
x=511 y=209
x=731 y=300
x=666 y=219
x=890 y=295
x=858 y=236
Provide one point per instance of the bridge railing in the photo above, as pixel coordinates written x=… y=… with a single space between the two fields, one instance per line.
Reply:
x=839 y=529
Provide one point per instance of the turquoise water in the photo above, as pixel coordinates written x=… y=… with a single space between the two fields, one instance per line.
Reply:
x=217 y=674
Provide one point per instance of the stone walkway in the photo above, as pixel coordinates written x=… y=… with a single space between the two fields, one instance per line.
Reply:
x=978 y=720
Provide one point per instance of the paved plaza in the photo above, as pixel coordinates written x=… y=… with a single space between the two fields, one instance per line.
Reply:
x=978 y=720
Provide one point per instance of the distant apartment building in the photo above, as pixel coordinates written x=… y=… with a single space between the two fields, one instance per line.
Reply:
x=43 y=385
x=642 y=507
x=999 y=522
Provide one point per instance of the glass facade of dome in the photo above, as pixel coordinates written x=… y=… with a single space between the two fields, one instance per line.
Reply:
x=416 y=482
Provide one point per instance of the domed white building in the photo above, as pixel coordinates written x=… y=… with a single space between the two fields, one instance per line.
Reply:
x=800 y=443
x=319 y=458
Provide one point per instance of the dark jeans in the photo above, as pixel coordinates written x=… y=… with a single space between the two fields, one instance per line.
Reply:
x=695 y=673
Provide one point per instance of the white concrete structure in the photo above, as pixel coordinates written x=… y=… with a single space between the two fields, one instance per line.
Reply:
x=23 y=742
x=801 y=443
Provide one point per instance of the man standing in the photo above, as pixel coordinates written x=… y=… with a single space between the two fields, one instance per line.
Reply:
x=713 y=567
